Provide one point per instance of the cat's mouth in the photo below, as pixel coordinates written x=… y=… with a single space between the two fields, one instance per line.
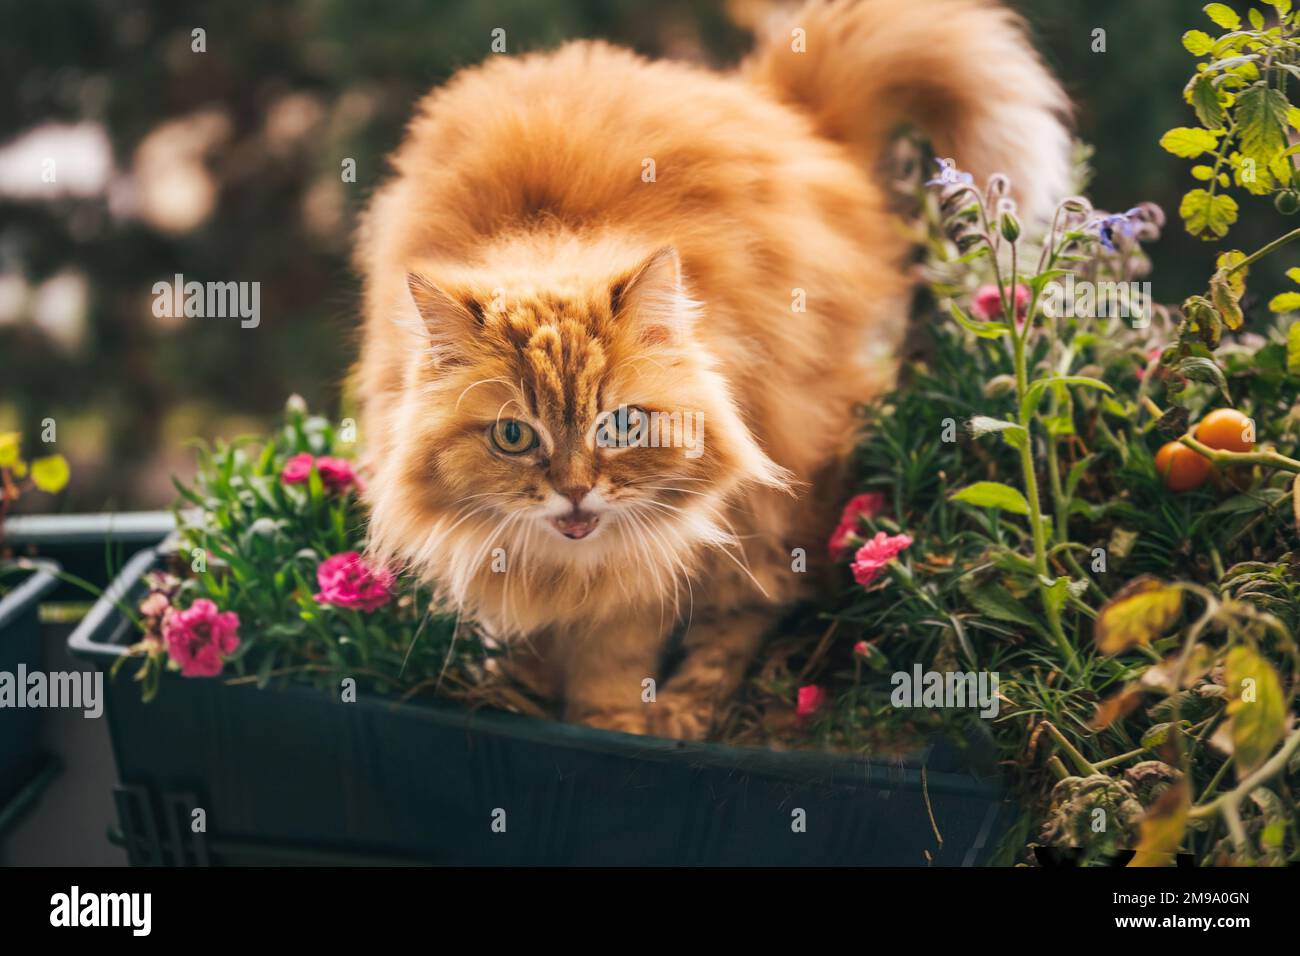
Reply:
x=576 y=524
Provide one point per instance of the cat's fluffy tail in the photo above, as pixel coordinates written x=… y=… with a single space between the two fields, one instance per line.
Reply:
x=963 y=71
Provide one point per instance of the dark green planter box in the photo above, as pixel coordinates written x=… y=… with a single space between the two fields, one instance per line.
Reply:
x=20 y=643
x=293 y=775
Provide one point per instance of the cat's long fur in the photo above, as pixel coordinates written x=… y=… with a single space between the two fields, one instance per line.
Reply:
x=523 y=265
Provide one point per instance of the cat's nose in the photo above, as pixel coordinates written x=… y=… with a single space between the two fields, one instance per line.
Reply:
x=575 y=493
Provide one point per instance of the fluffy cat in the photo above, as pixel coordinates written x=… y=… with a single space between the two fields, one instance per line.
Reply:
x=578 y=243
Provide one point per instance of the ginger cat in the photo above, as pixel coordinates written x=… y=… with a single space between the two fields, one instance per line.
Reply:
x=581 y=248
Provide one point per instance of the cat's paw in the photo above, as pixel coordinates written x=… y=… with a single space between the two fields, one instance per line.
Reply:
x=628 y=721
x=682 y=717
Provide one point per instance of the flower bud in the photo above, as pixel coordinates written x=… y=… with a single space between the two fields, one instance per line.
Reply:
x=1009 y=226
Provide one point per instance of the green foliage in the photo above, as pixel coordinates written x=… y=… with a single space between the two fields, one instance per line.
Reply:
x=1239 y=95
x=1121 y=617
x=252 y=542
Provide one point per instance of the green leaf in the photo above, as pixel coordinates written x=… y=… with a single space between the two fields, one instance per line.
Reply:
x=1034 y=394
x=1208 y=216
x=1077 y=471
x=1285 y=302
x=992 y=494
x=1205 y=101
x=1293 y=350
x=993 y=600
x=1200 y=369
x=1256 y=18
x=1261 y=114
x=1223 y=15
x=1140 y=612
x=1256 y=706
x=1198 y=42
x=1189 y=141
x=985 y=330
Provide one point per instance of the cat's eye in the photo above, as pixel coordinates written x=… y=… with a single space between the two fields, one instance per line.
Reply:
x=622 y=427
x=513 y=436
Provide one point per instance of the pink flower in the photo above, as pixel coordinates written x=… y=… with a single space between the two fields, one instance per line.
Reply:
x=862 y=649
x=876 y=553
x=198 y=638
x=1152 y=355
x=155 y=605
x=297 y=469
x=987 y=303
x=845 y=535
x=336 y=473
x=811 y=699
x=347 y=581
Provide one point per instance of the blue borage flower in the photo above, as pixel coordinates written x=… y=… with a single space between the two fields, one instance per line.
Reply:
x=950 y=175
x=1121 y=223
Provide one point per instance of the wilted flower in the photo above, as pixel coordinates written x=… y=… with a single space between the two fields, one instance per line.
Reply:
x=845 y=536
x=199 y=637
x=346 y=580
x=876 y=553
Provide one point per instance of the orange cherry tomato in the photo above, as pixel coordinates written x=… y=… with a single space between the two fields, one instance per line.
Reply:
x=1181 y=468
x=1226 y=429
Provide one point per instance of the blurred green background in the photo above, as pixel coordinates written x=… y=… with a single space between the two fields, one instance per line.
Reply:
x=225 y=165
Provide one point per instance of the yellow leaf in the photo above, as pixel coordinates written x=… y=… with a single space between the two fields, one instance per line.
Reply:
x=1162 y=828
x=1256 y=706
x=9 y=444
x=51 y=473
x=1138 y=614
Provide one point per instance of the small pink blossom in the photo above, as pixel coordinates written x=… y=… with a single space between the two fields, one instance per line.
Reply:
x=1152 y=355
x=876 y=553
x=297 y=469
x=336 y=473
x=155 y=605
x=862 y=649
x=346 y=580
x=845 y=536
x=987 y=302
x=199 y=637
x=811 y=700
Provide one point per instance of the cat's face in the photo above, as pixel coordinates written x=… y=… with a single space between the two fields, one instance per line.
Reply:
x=575 y=424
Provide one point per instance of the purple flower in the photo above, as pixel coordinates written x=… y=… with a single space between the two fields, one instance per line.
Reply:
x=1127 y=224
x=950 y=175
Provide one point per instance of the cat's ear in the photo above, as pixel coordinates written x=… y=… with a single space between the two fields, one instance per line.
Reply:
x=652 y=296
x=451 y=319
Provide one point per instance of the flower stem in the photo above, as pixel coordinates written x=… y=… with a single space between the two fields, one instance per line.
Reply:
x=1263 y=251
x=1035 y=505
